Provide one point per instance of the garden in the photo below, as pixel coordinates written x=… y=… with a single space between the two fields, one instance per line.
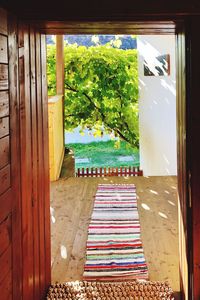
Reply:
x=101 y=96
x=98 y=154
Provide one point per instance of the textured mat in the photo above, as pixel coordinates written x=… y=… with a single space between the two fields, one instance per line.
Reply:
x=114 y=247
x=131 y=290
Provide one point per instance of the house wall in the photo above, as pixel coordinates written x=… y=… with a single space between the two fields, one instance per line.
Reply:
x=56 y=145
x=157 y=108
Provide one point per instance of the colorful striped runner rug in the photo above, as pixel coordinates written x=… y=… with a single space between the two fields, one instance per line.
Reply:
x=114 y=247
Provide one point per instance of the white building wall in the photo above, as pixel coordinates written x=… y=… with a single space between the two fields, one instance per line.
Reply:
x=157 y=109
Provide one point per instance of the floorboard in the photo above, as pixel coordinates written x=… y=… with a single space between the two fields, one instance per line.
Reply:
x=71 y=208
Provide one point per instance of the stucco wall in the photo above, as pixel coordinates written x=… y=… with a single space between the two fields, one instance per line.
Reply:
x=157 y=109
x=56 y=144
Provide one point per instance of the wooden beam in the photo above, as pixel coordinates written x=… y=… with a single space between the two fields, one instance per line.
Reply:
x=113 y=10
x=59 y=65
x=107 y=27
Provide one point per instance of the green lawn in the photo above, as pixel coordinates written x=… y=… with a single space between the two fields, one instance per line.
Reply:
x=104 y=154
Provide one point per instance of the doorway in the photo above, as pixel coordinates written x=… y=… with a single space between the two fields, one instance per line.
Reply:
x=177 y=114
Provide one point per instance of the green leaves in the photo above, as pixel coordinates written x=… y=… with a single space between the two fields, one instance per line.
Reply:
x=101 y=88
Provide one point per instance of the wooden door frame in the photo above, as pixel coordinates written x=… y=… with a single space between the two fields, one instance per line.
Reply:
x=149 y=28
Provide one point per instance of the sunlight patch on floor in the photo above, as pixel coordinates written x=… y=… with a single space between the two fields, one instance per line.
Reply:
x=172 y=203
x=145 y=206
x=153 y=192
x=63 y=252
x=162 y=215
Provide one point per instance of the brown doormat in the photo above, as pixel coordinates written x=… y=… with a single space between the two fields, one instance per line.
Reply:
x=129 y=290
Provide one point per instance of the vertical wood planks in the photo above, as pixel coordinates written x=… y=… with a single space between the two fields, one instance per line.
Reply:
x=183 y=211
x=26 y=163
x=34 y=153
x=4 y=151
x=190 y=148
x=15 y=155
x=11 y=195
x=125 y=171
x=3 y=77
x=5 y=262
x=100 y=173
x=4 y=179
x=7 y=195
x=60 y=88
x=6 y=285
x=4 y=126
x=41 y=172
x=3 y=22
x=3 y=49
x=4 y=104
x=120 y=171
x=34 y=157
x=5 y=233
x=46 y=166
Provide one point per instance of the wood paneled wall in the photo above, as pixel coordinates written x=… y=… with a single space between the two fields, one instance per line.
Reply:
x=182 y=171
x=193 y=154
x=10 y=223
x=33 y=102
x=24 y=181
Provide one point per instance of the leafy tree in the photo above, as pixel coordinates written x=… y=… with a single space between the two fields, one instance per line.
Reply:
x=101 y=89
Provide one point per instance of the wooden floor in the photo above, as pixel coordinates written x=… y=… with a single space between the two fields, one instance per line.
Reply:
x=71 y=208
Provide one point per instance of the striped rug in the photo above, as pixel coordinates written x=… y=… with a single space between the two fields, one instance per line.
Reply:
x=114 y=247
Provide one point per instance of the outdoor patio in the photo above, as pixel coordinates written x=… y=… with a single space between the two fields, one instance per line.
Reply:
x=71 y=208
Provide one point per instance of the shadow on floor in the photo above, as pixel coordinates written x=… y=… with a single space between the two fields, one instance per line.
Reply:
x=68 y=166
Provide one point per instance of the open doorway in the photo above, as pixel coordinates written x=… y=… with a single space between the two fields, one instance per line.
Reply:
x=72 y=199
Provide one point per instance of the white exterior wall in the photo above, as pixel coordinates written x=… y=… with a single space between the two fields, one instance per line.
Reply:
x=157 y=109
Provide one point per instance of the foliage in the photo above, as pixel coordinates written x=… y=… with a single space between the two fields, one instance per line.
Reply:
x=104 y=154
x=51 y=69
x=101 y=89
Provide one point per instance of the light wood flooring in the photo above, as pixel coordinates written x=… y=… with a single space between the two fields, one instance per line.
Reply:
x=71 y=208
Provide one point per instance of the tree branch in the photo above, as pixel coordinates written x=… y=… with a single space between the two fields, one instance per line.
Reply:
x=101 y=113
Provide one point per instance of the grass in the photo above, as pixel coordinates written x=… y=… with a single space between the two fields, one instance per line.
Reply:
x=103 y=154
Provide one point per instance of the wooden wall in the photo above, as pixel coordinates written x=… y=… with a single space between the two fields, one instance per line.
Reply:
x=33 y=103
x=24 y=181
x=193 y=153
x=56 y=141
x=182 y=172
x=10 y=231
